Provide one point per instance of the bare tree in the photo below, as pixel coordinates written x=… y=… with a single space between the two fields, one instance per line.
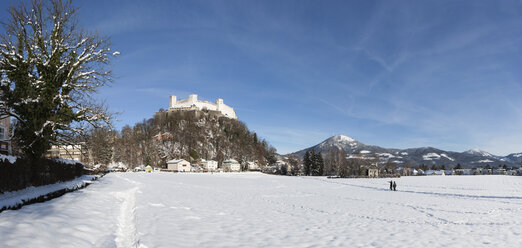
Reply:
x=295 y=165
x=100 y=143
x=336 y=163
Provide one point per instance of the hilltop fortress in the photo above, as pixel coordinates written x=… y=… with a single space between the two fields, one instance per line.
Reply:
x=192 y=103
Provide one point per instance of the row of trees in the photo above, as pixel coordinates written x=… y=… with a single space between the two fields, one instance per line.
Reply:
x=334 y=163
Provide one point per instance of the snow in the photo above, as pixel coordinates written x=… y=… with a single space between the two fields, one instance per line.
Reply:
x=404 y=153
x=343 y=138
x=517 y=155
x=358 y=157
x=446 y=156
x=364 y=152
x=67 y=161
x=385 y=154
x=484 y=161
x=175 y=161
x=479 y=152
x=11 y=159
x=257 y=210
x=14 y=198
x=434 y=172
x=431 y=156
x=339 y=141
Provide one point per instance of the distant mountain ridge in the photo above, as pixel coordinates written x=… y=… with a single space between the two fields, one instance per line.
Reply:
x=424 y=155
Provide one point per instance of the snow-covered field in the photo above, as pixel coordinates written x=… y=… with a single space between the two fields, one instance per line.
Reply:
x=257 y=210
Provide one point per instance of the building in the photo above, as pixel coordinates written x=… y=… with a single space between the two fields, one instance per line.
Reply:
x=476 y=171
x=373 y=172
x=179 y=165
x=463 y=172
x=192 y=103
x=5 y=138
x=232 y=165
x=71 y=152
x=435 y=173
x=209 y=165
x=253 y=165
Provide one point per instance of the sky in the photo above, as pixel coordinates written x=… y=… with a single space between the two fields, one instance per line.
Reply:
x=398 y=74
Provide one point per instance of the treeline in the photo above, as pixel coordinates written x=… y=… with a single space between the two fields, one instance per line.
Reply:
x=335 y=163
x=191 y=135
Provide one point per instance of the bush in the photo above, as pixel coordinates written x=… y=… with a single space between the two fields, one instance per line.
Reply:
x=23 y=174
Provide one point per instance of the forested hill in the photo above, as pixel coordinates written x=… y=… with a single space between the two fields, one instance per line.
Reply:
x=191 y=135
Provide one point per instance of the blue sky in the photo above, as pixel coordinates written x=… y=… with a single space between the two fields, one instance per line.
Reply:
x=396 y=74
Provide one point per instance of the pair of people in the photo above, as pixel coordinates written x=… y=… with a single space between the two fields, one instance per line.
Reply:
x=393 y=186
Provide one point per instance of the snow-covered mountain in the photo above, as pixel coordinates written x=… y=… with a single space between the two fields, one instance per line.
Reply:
x=424 y=155
x=514 y=158
x=479 y=152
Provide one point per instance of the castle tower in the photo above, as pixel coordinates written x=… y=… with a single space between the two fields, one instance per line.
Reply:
x=172 y=101
x=193 y=98
x=219 y=103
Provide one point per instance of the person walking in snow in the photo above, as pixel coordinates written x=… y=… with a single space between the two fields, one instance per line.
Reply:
x=391 y=185
x=394 y=186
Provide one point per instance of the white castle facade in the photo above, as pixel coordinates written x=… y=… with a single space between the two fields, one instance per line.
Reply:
x=192 y=103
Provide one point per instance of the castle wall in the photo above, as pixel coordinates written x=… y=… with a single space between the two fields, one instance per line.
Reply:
x=227 y=111
x=192 y=103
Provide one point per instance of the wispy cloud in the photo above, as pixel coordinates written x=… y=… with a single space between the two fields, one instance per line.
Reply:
x=408 y=73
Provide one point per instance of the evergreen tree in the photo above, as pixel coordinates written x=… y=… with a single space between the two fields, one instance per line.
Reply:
x=320 y=164
x=313 y=163
x=284 y=170
x=307 y=163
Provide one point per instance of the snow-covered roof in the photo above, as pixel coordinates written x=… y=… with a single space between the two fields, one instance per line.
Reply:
x=175 y=161
x=434 y=172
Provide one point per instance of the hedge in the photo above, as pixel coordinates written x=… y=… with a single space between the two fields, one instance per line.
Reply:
x=22 y=173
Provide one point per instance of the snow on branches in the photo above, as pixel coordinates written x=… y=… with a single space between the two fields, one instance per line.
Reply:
x=50 y=70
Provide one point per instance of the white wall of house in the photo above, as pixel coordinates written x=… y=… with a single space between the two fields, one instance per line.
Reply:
x=210 y=165
x=232 y=165
x=179 y=165
x=253 y=166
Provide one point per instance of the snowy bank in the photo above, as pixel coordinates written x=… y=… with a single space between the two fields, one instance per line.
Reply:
x=19 y=198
